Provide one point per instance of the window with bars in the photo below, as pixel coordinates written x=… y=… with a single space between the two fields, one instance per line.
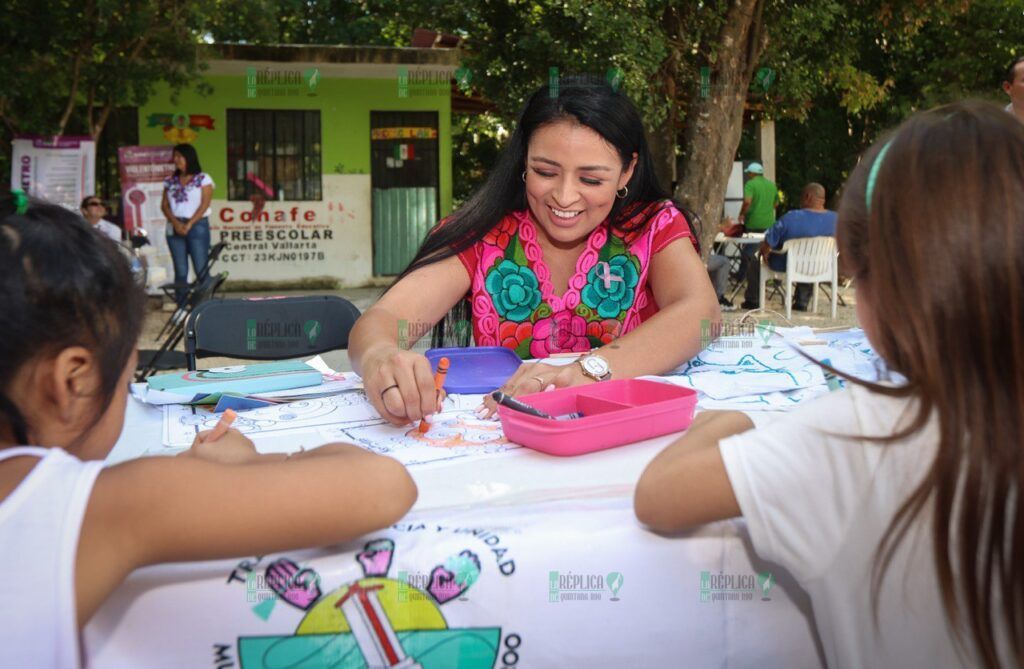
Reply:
x=274 y=152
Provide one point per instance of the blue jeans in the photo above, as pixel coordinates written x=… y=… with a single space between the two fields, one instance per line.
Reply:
x=196 y=244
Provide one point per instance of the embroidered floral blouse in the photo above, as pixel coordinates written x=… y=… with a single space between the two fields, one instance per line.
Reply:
x=514 y=304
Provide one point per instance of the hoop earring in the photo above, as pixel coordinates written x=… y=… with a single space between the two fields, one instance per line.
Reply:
x=622 y=193
x=524 y=176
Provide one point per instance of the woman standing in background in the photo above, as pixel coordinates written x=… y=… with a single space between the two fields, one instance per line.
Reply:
x=186 y=204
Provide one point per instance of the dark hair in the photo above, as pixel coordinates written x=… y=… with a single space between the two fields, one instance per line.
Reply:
x=590 y=101
x=85 y=201
x=939 y=255
x=62 y=285
x=188 y=152
x=1008 y=76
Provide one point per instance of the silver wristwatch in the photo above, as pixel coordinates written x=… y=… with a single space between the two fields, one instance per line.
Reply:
x=595 y=367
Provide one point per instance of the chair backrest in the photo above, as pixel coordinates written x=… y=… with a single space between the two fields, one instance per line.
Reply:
x=211 y=260
x=269 y=328
x=810 y=259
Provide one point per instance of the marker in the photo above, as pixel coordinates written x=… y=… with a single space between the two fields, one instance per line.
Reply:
x=222 y=427
x=516 y=405
x=442 y=372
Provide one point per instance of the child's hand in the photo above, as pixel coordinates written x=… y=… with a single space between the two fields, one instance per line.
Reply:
x=232 y=449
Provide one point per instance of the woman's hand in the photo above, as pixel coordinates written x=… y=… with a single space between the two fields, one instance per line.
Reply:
x=400 y=385
x=231 y=449
x=180 y=228
x=535 y=377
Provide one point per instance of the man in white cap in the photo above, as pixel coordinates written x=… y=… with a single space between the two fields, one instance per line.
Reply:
x=1013 y=85
x=760 y=197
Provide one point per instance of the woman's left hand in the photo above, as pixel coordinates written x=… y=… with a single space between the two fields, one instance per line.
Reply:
x=180 y=229
x=535 y=377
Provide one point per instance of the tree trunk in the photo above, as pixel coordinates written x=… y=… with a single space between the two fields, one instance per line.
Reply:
x=714 y=123
x=663 y=137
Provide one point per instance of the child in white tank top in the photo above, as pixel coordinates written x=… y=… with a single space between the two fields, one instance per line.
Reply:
x=70 y=530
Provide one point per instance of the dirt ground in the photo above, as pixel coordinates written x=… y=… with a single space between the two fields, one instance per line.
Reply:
x=364 y=297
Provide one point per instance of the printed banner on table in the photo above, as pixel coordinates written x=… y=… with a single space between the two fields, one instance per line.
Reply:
x=61 y=169
x=552 y=584
x=142 y=171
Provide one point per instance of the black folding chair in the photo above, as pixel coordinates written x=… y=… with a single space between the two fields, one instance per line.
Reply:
x=181 y=308
x=274 y=328
x=166 y=357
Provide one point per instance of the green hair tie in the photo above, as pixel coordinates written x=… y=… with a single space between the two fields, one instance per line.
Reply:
x=20 y=201
x=873 y=174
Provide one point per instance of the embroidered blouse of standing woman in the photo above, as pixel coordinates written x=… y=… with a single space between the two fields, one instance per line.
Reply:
x=570 y=245
x=186 y=205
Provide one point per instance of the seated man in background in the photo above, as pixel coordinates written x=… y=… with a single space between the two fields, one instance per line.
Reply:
x=93 y=211
x=811 y=220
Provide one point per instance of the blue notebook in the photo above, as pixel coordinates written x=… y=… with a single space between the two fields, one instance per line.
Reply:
x=245 y=379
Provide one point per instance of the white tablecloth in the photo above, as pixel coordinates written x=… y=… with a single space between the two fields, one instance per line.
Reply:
x=521 y=560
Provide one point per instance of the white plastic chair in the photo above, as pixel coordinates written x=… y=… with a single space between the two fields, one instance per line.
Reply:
x=808 y=260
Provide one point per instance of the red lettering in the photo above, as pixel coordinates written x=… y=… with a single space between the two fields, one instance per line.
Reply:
x=227 y=215
x=310 y=215
x=295 y=212
x=246 y=216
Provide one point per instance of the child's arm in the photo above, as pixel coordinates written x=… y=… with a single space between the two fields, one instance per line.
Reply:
x=686 y=484
x=192 y=508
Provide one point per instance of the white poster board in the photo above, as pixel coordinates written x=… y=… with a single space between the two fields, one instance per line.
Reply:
x=61 y=170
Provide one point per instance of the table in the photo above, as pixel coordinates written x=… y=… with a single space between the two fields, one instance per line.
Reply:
x=521 y=560
x=737 y=242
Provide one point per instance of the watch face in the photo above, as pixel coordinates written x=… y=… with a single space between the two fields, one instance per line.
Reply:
x=595 y=366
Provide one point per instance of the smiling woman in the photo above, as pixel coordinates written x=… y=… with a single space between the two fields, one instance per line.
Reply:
x=571 y=245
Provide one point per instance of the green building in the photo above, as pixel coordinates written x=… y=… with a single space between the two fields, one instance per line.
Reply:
x=329 y=161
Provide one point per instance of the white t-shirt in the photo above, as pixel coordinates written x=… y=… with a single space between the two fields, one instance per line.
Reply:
x=39 y=528
x=818 y=504
x=109 y=229
x=186 y=198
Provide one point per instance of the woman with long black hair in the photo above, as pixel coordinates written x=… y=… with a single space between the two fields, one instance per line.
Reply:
x=571 y=245
x=186 y=205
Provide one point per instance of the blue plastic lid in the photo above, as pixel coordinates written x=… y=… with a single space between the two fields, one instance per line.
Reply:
x=479 y=369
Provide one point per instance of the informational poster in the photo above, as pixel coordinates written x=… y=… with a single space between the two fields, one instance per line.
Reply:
x=143 y=170
x=59 y=169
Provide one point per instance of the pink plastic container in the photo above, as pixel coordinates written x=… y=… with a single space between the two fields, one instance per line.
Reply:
x=614 y=413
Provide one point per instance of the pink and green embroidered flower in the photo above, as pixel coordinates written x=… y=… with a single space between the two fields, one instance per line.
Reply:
x=564 y=331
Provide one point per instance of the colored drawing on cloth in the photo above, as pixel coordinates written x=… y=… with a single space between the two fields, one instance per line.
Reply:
x=183 y=423
x=379 y=621
x=728 y=373
x=455 y=434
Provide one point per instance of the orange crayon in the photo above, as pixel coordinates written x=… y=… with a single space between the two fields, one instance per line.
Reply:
x=222 y=427
x=442 y=372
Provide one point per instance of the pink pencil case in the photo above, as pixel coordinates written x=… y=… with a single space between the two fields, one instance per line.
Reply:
x=613 y=413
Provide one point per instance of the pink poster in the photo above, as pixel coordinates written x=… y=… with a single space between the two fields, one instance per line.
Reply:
x=143 y=170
